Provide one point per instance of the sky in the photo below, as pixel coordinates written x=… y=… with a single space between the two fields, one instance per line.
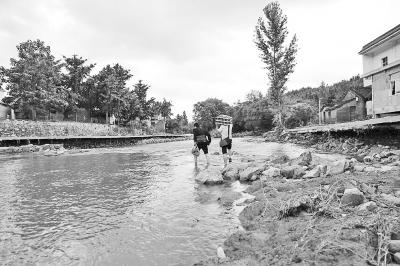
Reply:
x=191 y=50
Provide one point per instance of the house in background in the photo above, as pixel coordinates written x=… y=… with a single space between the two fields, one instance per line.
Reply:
x=354 y=106
x=381 y=71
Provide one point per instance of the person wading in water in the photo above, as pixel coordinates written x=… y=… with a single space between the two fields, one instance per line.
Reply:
x=226 y=141
x=202 y=139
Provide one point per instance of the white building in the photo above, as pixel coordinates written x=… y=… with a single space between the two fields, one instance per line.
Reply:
x=381 y=70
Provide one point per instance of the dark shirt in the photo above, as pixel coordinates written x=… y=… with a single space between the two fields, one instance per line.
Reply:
x=200 y=134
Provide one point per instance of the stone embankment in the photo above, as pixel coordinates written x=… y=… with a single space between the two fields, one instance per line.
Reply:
x=314 y=211
x=60 y=148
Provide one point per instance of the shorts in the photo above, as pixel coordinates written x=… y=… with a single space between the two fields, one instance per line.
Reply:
x=227 y=147
x=203 y=146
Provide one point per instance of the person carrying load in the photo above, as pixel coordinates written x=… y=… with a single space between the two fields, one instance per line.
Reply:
x=224 y=122
x=202 y=139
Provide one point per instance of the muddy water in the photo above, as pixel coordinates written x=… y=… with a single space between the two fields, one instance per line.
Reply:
x=126 y=206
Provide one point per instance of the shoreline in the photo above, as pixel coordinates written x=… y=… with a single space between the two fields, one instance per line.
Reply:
x=60 y=148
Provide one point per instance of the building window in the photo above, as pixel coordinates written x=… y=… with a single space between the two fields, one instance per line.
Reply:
x=393 y=86
x=385 y=61
x=395 y=83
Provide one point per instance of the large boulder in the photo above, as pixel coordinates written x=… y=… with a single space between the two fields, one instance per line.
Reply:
x=338 y=167
x=368 y=206
x=251 y=173
x=292 y=171
x=352 y=197
x=391 y=199
x=271 y=172
x=210 y=176
x=313 y=173
x=231 y=171
x=394 y=246
x=279 y=159
x=304 y=159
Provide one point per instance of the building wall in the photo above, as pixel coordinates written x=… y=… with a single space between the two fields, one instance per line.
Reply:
x=329 y=117
x=342 y=114
x=374 y=61
x=4 y=111
x=383 y=100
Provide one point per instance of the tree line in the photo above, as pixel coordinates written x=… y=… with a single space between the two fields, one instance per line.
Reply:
x=258 y=112
x=39 y=84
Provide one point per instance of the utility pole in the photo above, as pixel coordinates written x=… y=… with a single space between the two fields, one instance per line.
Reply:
x=319 y=110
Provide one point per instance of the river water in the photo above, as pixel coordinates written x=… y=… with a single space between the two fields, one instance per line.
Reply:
x=136 y=205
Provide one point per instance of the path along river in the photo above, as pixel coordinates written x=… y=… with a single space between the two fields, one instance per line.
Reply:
x=136 y=205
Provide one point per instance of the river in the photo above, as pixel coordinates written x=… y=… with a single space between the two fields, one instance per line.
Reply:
x=136 y=205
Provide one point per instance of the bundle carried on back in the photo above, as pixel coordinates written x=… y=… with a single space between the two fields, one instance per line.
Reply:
x=223 y=120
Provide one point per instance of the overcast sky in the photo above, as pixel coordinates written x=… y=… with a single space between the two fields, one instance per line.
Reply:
x=189 y=50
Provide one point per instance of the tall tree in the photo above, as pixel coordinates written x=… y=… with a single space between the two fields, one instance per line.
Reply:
x=185 y=120
x=34 y=79
x=111 y=84
x=165 y=109
x=73 y=81
x=140 y=90
x=271 y=34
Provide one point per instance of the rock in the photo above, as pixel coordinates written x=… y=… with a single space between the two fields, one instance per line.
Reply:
x=368 y=206
x=281 y=159
x=292 y=171
x=396 y=257
x=337 y=167
x=352 y=197
x=314 y=173
x=304 y=159
x=391 y=199
x=250 y=172
x=210 y=176
x=358 y=167
x=387 y=168
x=228 y=197
x=367 y=189
x=368 y=160
x=394 y=246
x=370 y=169
x=256 y=185
x=231 y=171
x=272 y=172
x=250 y=213
x=221 y=253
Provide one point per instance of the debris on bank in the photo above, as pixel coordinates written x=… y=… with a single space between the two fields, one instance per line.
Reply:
x=314 y=211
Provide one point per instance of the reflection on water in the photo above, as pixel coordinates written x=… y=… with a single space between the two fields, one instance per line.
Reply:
x=134 y=206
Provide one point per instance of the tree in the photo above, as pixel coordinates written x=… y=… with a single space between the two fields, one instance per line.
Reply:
x=185 y=120
x=111 y=85
x=34 y=80
x=206 y=111
x=165 y=109
x=73 y=81
x=254 y=96
x=140 y=90
x=279 y=60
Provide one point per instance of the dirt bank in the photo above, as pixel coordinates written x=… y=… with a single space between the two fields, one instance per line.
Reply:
x=314 y=211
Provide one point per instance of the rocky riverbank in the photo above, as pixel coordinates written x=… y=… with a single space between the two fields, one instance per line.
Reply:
x=314 y=210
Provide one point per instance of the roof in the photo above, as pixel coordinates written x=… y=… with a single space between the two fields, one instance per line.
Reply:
x=384 y=37
x=338 y=105
x=365 y=92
